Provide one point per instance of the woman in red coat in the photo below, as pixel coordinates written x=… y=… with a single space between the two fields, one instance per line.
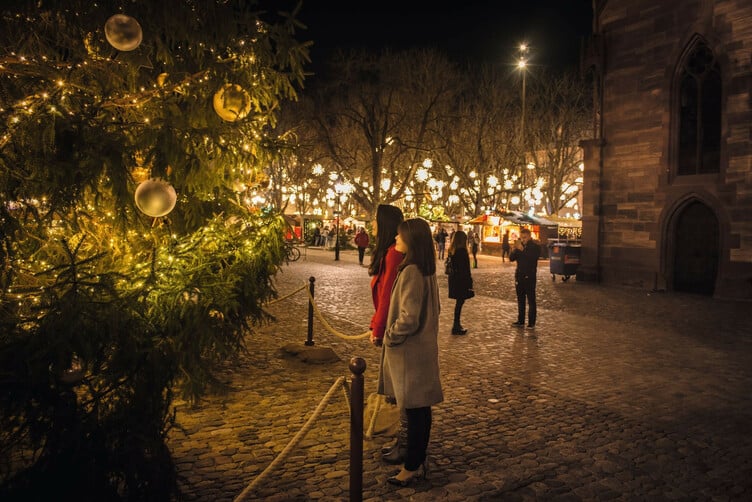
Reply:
x=383 y=269
x=385 y=262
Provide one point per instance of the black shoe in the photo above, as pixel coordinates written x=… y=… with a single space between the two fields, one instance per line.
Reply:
x=459 y=331
x=389 y=446
x=416 y=475
x=530 y=326
x=518 y=324
x=395 y=456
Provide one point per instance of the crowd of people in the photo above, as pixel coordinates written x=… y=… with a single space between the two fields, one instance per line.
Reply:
x=405 y=323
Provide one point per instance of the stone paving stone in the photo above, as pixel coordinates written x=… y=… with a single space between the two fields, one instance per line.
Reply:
x=621 y=394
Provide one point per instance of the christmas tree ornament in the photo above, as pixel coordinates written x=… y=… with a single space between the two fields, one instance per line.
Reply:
x=232 y=102
x=155 y=198
x=123 y=32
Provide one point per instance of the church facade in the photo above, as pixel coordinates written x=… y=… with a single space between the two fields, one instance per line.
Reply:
x=667 y=195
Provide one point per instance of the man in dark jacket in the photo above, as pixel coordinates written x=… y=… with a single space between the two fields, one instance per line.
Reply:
x=526 y=253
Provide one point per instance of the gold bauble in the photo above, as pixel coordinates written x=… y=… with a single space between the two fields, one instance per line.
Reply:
x=232 y=102
x=155 y=198
x=123 y=32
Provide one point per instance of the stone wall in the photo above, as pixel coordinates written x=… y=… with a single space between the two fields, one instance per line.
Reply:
x=632 y=193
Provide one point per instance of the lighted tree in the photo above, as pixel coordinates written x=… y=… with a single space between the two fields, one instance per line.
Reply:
x=108 y=303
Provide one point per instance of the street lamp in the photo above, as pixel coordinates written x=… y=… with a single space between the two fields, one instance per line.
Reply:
x=340 y=189
x=522 y=65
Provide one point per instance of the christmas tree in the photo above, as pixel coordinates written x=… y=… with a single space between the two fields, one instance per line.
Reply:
x=132 y=261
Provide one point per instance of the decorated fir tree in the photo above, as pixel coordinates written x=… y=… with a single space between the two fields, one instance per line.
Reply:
x=134 y=133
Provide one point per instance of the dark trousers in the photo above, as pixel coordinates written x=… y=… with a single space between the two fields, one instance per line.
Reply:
x=418 y=434
x=361 y=253
x=525 y=288
x=457 y=312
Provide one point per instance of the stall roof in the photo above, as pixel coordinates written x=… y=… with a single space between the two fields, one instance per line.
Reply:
x=515 y=217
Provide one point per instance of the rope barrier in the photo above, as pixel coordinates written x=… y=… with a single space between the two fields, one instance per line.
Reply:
x=293 y=442
x=372 y=421
x=319 y=316
x=301 y=288
x=329 y=327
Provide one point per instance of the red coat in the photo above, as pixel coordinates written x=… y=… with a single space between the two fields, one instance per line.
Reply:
x=381 y=289
x=361 y=240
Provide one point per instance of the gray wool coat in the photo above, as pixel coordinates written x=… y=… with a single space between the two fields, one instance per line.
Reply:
x=409 y=368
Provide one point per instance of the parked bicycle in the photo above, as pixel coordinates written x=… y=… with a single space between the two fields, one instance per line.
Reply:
x=292 y=252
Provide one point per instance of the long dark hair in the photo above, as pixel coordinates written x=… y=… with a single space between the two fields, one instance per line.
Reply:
x=388 y=218
x=459 y=240
x=420 y=250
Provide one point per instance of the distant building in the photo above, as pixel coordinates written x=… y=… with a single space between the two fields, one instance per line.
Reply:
x=667 y=196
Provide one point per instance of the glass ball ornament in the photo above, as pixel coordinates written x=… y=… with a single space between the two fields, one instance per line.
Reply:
x=155 y=198
x=232 y=102
x=123 y=32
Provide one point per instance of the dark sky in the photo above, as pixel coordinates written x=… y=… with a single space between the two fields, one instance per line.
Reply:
x=467 y=31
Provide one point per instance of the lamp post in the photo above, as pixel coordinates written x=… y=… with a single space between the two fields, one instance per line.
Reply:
x=522 y=65
x=340 y=189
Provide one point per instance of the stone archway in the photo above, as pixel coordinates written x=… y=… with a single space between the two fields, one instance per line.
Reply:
x=696 y=249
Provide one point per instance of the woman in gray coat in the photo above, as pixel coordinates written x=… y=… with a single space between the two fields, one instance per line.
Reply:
x=410 y=364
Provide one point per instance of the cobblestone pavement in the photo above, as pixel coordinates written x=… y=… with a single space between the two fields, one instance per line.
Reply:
x=621 y=394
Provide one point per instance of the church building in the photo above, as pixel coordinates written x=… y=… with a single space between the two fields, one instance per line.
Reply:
x=667 y=195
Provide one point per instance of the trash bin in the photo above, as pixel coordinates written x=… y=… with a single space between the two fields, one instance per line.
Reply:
x=564 y=259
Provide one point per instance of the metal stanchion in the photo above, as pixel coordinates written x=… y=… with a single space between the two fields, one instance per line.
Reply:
x=309 y=340
x=357 y=367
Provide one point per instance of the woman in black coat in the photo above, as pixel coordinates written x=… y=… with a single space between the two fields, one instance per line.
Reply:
x=460 y=281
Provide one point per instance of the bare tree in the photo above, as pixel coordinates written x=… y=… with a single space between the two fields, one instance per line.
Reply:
x=479 y=148
x=559 y=119
x=376 y=118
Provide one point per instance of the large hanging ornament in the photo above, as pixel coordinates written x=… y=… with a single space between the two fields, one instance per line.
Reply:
x=155 y=198
x=232 y=102
x=123 y=32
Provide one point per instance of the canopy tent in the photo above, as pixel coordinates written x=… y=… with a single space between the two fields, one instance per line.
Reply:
x=517 y=217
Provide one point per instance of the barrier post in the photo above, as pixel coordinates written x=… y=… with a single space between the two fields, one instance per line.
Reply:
x=309 y=340
x=357 y=367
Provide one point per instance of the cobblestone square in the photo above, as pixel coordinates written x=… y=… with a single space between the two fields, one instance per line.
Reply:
x=620 y=394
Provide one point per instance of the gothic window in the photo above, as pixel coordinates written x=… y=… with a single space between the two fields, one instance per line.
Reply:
x=699 y=113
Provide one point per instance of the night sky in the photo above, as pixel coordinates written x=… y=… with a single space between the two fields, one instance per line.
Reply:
x=471 y=31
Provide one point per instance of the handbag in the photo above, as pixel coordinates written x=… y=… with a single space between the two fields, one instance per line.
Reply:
x=448 y=269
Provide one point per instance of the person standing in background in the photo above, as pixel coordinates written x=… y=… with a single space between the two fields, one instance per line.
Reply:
x=361 y=240
x=505 y=248
x=441 y=237
x=474 y=247
x=526 y=253
x=460 y=280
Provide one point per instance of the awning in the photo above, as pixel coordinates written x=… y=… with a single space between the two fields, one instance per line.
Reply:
x=478 y=220
x=517 y=217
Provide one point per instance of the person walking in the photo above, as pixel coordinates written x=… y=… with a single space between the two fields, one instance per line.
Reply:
x=361 y=241
x=441 y=237
x=460 y=281
x=409 y=368
x=526 y=253
x=385 y=262
x=474 y=247
x=505 y=248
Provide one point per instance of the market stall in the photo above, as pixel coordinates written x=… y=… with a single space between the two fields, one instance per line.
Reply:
x=494 y=226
